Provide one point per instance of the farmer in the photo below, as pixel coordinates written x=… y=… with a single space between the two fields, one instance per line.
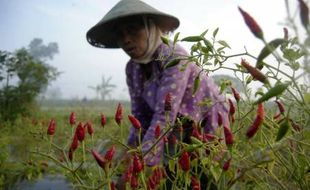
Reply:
x=137 y=28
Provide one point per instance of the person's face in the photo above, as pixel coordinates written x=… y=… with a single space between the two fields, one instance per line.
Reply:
x=132 y=38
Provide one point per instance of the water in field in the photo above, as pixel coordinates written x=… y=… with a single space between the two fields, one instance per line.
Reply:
x=45 y=183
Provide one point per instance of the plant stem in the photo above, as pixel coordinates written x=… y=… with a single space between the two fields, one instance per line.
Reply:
x=157 y=141
x=83 y=146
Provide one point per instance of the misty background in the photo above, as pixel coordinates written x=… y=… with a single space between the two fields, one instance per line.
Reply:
x=83 y=67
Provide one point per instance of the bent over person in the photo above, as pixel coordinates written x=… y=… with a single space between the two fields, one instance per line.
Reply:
x=136 y=27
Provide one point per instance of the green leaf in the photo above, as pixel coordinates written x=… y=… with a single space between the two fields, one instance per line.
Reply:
x=208 y=44
x=176 y=37
x=172 y=63
x=224 y=43
x=249 y=79
x=165 y=40
x=193 y=39
x=292 y=54
x=204 y=33
x=215 y=32
x=267 y=50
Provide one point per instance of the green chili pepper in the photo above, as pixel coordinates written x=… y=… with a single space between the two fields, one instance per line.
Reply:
x=196 y=84
x=284 y=126
x=274 y=91
x=172 y=63
x=267 y=50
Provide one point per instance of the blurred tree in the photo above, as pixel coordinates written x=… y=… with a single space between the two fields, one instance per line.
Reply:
x=22 y=78
x=40 y=51
x=104 y=89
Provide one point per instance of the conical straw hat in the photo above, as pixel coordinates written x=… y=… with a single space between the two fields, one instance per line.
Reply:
x=102 y=34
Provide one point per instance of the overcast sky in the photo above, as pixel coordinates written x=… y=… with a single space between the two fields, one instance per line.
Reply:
x=66 y=22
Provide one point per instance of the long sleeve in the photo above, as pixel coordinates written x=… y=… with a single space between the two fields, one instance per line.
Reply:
x=173 y=81
x=139 y=107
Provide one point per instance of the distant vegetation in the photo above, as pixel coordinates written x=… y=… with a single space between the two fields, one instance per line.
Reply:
x=24 y=74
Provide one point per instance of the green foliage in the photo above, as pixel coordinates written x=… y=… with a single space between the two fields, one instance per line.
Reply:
x=23 y=78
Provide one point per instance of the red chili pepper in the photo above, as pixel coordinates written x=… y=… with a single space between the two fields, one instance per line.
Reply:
x=236 y=94
x=304 y=13
x=98 y=158
x=168 y=99
x=137 y=164
x=196 y=133
x=75 y=143
x=119 y=114
x=281 y=107
x=219 y=118
x=70 y=154
x=110 y=153
x=128 y=173
x=209 y=137
x=295 y=126
x=165 y=139
x=80 y=132
x=256 y=74
x=134 y=121
x=157 y=132
x=257 y=122
x=72 y=118
x=174 y=139
x=276 y=116
x=232 y=108
x=112 y=185
x=158 y=174
x=195 y=183
x=151 y=183
x=51 y=127
x=252 y=24
x=134 y=181
x=184 y=161
x=229 y=138
x=226 y=165
x=103 y=120
x=90 y=128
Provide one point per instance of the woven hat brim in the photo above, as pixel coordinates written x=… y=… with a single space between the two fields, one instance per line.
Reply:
x=102 y=35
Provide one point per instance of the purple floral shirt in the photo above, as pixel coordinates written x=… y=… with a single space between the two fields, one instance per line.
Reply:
x=148 y=95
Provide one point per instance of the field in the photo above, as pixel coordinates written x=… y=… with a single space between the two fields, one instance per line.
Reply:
x=266 y=144
x=18 y=141
x=260 y=163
